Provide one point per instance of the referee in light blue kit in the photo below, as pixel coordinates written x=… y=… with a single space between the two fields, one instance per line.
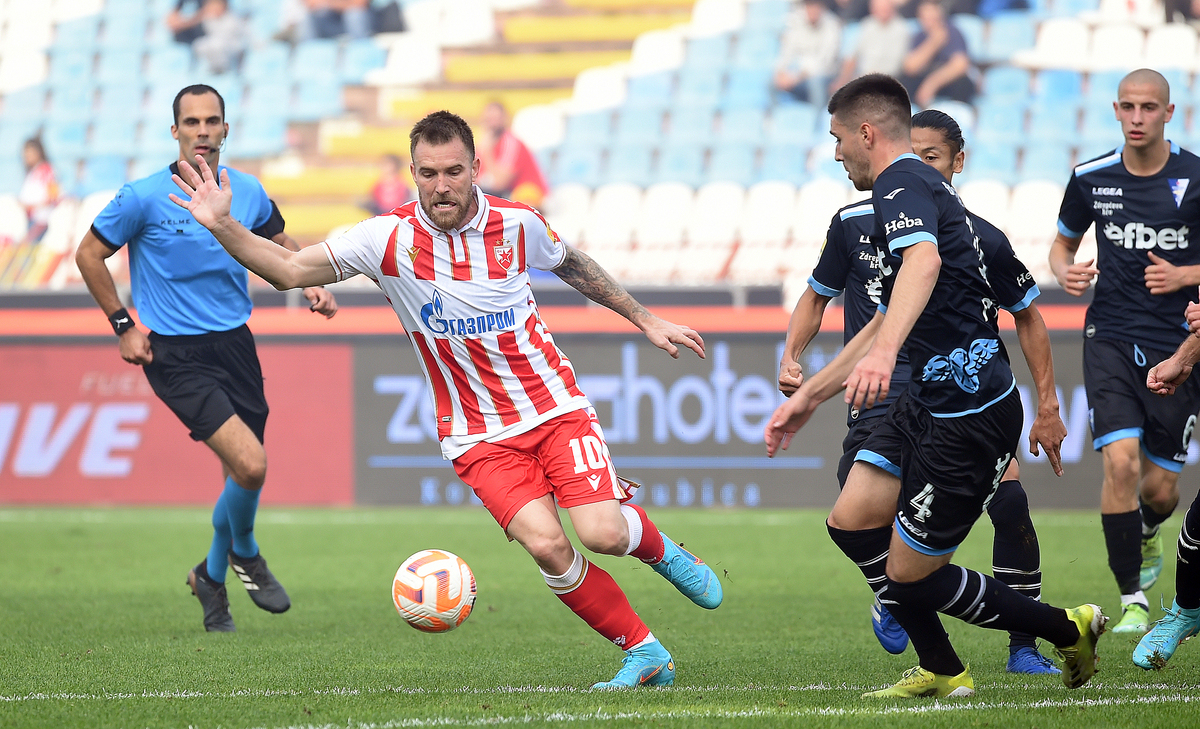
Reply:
x=199 y=355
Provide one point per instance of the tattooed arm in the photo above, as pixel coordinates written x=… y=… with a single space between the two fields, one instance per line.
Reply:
x=587 y=277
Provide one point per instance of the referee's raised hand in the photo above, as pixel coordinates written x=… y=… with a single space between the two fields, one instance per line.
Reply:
x=207 y=201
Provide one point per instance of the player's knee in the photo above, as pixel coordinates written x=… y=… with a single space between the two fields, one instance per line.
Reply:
x=1010 y=505
x=1161 y=501
x=606 y=538
x=1122 y=469
x=251 y=473
x=551 y=550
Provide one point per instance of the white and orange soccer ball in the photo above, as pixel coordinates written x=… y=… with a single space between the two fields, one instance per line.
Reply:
x=434 y=591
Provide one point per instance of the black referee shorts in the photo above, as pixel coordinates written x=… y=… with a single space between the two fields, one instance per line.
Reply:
x=208 y=378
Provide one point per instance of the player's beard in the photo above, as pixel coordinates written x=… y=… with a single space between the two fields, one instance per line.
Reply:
x=451 y=218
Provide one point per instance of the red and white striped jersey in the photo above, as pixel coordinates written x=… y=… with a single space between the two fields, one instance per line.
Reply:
x=464 y=298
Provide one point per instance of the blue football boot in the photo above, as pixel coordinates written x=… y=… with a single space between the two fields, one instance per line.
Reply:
x=1029 y=661
x=646 y=665
x=689 y=575
x=891 y=635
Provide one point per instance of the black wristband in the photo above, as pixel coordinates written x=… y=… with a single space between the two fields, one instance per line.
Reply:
x=121 y=321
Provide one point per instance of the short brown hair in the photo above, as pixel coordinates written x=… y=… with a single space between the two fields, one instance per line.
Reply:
x=442 y=127
x=876 y=98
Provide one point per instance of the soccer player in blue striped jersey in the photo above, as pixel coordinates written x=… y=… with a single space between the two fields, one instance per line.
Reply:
x=954 y=429
x=848 y=264
x=1144 y=198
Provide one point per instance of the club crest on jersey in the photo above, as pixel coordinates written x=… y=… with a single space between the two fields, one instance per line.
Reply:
x=504 y=254
x=432 y=316
x=1179 y=188
x=961 y=365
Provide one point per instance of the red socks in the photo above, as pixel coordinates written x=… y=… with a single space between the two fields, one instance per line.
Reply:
x=593 y=595
x=645 y=541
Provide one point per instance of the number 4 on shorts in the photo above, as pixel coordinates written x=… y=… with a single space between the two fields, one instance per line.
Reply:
x=921 y=502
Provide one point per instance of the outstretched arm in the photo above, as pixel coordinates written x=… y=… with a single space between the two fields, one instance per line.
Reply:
x=1048 y=429
x=586 y=276
x=209 y=203
x=320 y=299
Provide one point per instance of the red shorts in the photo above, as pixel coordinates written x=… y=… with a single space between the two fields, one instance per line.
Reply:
x=565 y=456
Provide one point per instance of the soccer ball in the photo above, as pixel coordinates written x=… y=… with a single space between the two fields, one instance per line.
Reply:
x=434 y=591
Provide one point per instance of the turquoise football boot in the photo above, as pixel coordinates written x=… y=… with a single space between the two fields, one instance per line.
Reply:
x=689 y=575
x=646 y=665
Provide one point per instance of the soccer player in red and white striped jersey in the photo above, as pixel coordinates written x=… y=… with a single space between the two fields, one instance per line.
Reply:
x=454 y=266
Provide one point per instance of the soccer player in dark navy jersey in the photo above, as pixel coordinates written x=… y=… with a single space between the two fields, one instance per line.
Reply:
x=955 y=427
x=199 y=357
x=1144 y=198
x=849 y=264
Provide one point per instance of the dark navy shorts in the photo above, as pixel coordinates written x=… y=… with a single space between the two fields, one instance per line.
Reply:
x=1120 y=406
x=208 y=378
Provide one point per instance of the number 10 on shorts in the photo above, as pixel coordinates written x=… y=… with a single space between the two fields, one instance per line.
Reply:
x=589 y=447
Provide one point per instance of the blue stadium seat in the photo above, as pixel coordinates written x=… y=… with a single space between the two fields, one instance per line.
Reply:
x=79 y=34
x=121 y=101
x=784 y=162
x=317 y=99
x=147 y=165
x=69 y=66
x=71 y=103
x=651 y=91
x=1100 y=124
x=1008 y=33
x=358 y=57
x=113 y=136
x=268 y=99
x=756 y=49
x=699 y=86
x=850 y=33
x=710 y=52
x=1045 y=161
x=261 y=135
x=691 y=125
x=13 y=133
x=639 y=126
x=154 y=140
x=171 y=63
x=1058 y=86
x=732 y=163
x=629 y=163
x=65 y=139
x=315 y=60
x=117 y=8
x=1102 y=87
x=27 y=104
x=1055 y=122
x=268 y=63
x=66 y=171
x=1000 y=122
x=591 y=129
x=1181 y=95
x=124 y=31
x=577 y=163
x=1090 y=149
x=766 y=14
x=680 y=163
x=741 y=126
x=748 y=88
x=104 y=172
x=971 y=26
x=120 y=66
x=827 y=166
x=793 y=125
x=1005 y=83
x=1072 y=8
x=993 y=161
x=12 y=175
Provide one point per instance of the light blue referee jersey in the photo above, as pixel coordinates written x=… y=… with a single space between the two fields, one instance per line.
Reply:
x=184 y=283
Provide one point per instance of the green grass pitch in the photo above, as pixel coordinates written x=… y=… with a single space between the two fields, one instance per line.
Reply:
x=99 y=630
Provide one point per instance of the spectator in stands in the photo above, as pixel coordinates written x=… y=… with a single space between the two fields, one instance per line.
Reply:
x=186 y=21
x=808 y=58
x=224 y=39
x=938 y=65
x=391 y=190
x=851 y=11
x=1183 y=11
x=331 y=18
x=882 y=45
x=506 y=166
x=39 y=193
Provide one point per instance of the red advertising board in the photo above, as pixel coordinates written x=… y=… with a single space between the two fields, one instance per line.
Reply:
x=80 y=426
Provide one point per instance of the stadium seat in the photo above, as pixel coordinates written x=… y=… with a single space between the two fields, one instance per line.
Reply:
x=601 y=87
x=577 y=163
x=707 y=53
x=171 y=63
x=1008 y=32
x=1062 y=42
x=1004 y=83
x=987 y=199
x=71 y=103
x=699 y=86
x=1102 y=87
x=715 y=215
x=1033 y=215
x=119 y=66
x=359 y=57
x=13 y=134
x=767 y=216
x=994 y=160
x=12 y=174
x=27 y=104
x=849 y=42
x=317 y=99
x=106 y=172
x=610 y=218
x=691 y=125
x=629 y=163
x=1100 y=126
x=1072 y=8
x=793 y=124
x=65 y=140
x=261 y=135
x=650 y=91
x=540 y=126
x=79 y=34
x=146 y=166
x=1171 y=46
x=590 y=129
x=412 y=59
x=69 y=66
x=1055 y=122
x=821 y=162
x=268 y=63
x=732 y=162
x=816 y=204
x=566 y=208
x=741 y=126
x=1058 y=86
x=268 y=98
x=13 y=221
x=657 y=51
x=756 y=48
x=315 y=60
x=748 y=88
x=467 y=23
x=681 y=162
x=962 y=113
x=971 y=26
x=710 y=17
x=784 y=163
x=766 y=15
x=155 y=141
x=1046 y=161
x=639 y=125
x=124 y=31
x=1116 y=46
x=113 y=136
x=663 y=215
x=121 y=101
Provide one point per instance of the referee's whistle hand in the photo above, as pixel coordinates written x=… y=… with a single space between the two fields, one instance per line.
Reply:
x=135 y=347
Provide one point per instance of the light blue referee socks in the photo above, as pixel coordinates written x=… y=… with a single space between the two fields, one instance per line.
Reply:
x=218 y=552
x=242 y=505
